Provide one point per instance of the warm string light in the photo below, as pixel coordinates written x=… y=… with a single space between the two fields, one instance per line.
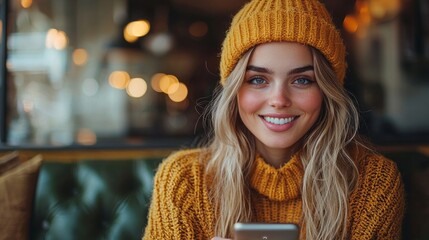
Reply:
x=170 y=85
x=179 y=94
x=160 y=82
x=137 y=87
x=119 y=79
x=80 y=56
x=155 y=82
x=56 y=39
x=136 y=29
x=381 y=9
x=26 y=3
x=367 y=11
x=351 y=23
x=198 y=29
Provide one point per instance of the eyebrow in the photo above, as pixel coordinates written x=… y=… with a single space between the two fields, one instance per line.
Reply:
x=293 y=71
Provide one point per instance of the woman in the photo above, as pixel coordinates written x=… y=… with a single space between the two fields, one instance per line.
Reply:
x=284 y=145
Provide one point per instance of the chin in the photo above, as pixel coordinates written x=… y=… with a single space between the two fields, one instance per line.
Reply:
x=277 y=145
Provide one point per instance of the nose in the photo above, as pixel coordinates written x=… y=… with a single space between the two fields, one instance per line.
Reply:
x=279 y=97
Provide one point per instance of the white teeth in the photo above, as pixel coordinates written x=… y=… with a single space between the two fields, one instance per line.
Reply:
x=279 y=121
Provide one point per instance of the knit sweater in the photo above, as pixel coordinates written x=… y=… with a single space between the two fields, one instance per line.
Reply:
x=181 y=207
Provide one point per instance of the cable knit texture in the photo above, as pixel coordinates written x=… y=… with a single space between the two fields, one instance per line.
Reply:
x=181 y=208
x=303 y=21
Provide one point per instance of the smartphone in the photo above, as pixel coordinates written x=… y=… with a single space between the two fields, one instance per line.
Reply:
x=266 y=231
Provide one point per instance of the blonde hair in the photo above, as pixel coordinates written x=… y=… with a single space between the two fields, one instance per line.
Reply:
x=324 y=156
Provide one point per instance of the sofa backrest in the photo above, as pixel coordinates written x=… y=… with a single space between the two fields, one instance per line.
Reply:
x=93 y=199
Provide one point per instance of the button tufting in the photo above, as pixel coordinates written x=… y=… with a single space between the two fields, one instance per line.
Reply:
x=93 y=198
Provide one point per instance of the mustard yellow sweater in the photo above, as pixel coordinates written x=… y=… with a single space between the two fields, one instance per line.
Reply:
x=181 y=209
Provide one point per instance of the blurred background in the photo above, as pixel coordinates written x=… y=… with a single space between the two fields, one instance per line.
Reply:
x=103 y=74
x=128 y=71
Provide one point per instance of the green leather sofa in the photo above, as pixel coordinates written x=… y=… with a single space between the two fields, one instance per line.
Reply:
x=93 y=197
x=99 y=194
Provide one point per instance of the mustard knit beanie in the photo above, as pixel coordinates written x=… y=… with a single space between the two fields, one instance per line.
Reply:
x=303 y=21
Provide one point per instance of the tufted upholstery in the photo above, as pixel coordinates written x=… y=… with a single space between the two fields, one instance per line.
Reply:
x=93 y=199
x=104 y=194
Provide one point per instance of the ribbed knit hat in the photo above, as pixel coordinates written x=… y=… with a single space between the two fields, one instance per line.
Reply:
x=303 y=21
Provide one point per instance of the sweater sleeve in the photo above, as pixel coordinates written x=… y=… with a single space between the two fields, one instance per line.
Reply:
x=394 y=211
x=379 y=201
x=171 y=214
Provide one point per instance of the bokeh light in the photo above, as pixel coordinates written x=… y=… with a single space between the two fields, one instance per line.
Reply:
x=180 y=94
x=119 y=79
x=166 y=82
x=198 y=29
x=26 y=3
x=136 y=29
x=80 y=56
x=56 y=39
x=27 y=105
x=129 y=38
x=364 y=15
x=174 y=87
x=155 y=81
x=160 y=43
x=350 y=24
x=137 y=87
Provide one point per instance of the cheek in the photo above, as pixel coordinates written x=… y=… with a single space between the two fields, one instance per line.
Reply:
x=247 y=102
x=311 y=102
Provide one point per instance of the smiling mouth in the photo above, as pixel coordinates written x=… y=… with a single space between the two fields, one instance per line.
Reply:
x=279 y=121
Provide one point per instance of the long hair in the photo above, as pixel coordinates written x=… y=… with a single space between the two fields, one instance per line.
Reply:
x=330 y=173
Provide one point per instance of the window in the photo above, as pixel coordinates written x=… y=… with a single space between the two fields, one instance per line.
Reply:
x=92 y=72
x=128 y=71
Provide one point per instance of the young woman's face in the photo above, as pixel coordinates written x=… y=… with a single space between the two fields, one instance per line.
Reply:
x=279 y=99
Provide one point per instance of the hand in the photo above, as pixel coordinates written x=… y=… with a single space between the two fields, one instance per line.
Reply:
x=218 y=238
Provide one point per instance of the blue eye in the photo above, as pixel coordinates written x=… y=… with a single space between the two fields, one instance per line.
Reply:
x=303 y=81
x=256 y=81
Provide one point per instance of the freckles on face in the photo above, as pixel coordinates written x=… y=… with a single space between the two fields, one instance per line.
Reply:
x=279 y=99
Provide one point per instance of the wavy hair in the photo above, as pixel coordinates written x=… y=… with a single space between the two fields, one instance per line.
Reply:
x=330 y=172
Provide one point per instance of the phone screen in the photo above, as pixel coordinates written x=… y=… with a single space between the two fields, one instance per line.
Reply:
x=266 y=231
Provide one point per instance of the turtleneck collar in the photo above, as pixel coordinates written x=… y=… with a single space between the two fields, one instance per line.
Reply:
x=278 y=184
